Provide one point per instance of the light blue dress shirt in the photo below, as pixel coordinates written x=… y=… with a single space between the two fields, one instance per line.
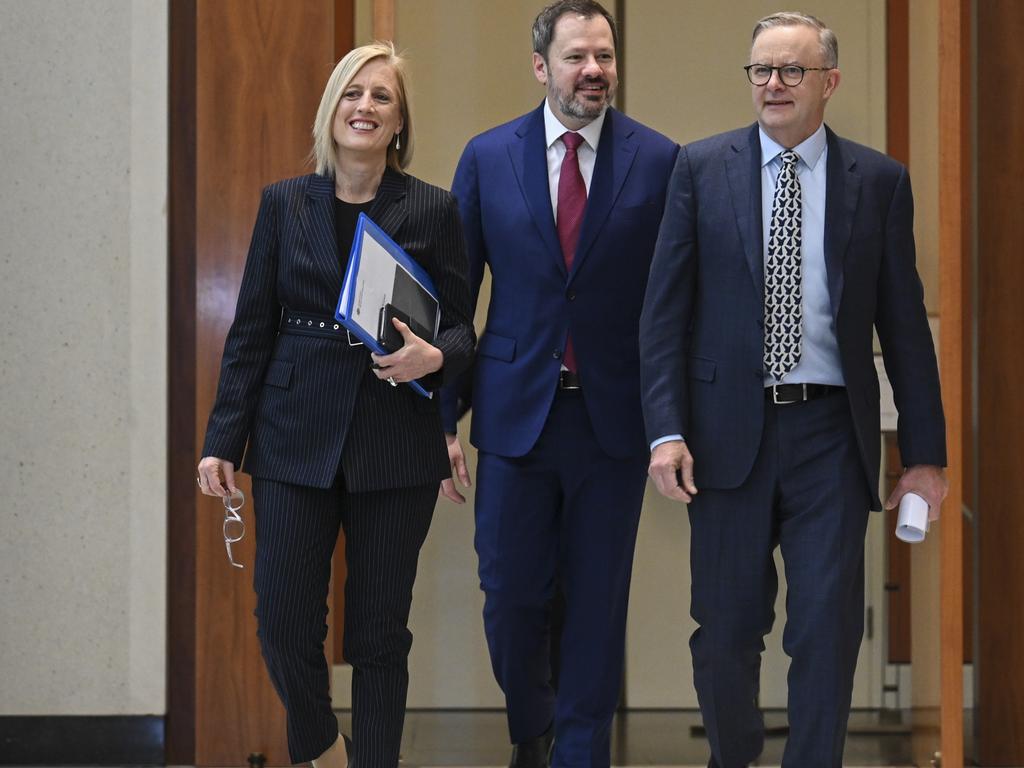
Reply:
x=819 y=353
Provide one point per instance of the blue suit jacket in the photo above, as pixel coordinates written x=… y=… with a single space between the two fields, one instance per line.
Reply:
x=501 y=186
x=702 y=330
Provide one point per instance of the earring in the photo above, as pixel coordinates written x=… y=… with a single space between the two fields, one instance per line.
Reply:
x=398 y=141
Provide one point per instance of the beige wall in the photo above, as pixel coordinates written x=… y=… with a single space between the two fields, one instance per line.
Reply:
x=470 y=63
x=924 y=142
x=684 y=64
x=83 y=363
x=924 y=170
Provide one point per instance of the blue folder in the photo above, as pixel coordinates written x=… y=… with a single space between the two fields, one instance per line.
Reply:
x=410 y=296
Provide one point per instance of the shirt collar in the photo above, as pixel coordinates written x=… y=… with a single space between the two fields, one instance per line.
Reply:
x=553 y=128
x=809 y=150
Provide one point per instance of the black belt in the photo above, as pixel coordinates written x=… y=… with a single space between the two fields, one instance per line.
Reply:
x=309 y=324
x=569 y=381
x=787 y=394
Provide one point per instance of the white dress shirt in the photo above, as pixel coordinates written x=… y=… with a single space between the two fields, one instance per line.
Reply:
x=586 y=153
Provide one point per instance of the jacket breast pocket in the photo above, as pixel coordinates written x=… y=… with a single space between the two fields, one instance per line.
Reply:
x=497 y=347
x=279 y=374
x=701 y=368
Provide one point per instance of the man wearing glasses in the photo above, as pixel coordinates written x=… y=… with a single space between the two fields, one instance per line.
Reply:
x=782 y=247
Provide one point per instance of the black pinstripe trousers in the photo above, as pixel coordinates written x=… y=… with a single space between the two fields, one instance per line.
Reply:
x=296 y=531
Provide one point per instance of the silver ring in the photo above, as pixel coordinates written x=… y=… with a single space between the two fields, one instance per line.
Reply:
x=392 y=382
x=199 y=482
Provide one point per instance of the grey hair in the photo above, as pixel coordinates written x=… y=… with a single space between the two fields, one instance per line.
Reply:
x=826 y=37
x=544 y=24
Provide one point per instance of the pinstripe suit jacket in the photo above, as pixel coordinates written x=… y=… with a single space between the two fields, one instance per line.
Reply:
x=306 y=405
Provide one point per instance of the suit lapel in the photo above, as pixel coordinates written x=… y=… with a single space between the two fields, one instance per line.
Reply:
x=317 y=218
x=615 y=154
x=388 y=209
x=743 y=168
x=530 y=162
x=842 y=191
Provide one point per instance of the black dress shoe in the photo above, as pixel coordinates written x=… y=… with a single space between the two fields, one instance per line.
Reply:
x=533 y=753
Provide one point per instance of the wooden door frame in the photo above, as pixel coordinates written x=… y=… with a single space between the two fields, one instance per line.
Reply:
x=955 y=251
x=191 y=656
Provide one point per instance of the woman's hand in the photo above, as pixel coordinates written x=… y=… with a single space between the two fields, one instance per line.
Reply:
x=216 y=477
x=457 y=459
x=414 y=360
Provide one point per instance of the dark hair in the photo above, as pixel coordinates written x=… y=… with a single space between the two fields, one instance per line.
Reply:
x=544 y=24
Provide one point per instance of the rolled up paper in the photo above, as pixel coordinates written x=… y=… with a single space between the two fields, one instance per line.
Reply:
x=912 y=520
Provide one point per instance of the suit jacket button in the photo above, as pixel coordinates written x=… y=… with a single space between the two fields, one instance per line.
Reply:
x=572 y=296
x=557 y=354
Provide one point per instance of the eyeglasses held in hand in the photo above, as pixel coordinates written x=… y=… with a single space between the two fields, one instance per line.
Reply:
x=234 y=526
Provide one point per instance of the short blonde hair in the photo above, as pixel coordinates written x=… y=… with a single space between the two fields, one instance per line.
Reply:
x=324 y=148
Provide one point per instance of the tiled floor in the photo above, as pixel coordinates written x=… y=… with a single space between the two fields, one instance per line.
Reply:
x=477 y=739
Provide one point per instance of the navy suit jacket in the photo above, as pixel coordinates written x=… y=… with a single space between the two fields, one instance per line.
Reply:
x=309 y=406
x=501 y=186
x=702 y=331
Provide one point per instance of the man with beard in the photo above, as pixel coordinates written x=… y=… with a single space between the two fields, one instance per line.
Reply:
x=563 y=206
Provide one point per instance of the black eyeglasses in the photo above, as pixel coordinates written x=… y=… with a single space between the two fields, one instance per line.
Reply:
x=789 y=74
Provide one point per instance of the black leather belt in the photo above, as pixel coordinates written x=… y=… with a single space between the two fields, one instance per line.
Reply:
x=787 y=394
x=309 y=324
x=569 y=381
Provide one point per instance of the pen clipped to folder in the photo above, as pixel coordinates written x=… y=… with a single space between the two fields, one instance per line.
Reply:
x=383 y=282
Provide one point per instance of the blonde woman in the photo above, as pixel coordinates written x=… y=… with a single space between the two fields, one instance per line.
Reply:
x=328 y=440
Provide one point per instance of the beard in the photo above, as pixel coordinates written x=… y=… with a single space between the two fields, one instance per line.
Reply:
x=571 y=103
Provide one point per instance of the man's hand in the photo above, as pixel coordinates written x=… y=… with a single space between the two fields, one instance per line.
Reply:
x=414 y=360
x=457 y=459
x=927 y=481
x=670 y=463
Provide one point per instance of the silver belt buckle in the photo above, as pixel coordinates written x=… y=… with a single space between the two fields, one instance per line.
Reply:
x=803 y=397
x=352 y=342
x=562 y=385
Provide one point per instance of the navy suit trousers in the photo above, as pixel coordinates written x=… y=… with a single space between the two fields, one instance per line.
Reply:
x=296 y=530
x=565 y=511
x=806 y=494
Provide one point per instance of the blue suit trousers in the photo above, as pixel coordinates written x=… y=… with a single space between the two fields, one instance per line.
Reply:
x=565 y=511
x=806 y=494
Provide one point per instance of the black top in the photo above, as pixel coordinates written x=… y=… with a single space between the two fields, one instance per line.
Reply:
x=345 y=217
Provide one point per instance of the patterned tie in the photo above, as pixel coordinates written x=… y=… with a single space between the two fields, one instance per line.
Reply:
x=572 y=201
x=782 y=293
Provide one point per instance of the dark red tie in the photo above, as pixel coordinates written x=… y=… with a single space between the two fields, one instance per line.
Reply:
x=572 y=201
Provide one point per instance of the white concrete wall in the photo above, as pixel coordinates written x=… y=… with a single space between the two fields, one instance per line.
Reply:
x=83 y=358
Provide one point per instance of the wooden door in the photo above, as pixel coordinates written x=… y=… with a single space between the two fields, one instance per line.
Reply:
x=245 y=80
